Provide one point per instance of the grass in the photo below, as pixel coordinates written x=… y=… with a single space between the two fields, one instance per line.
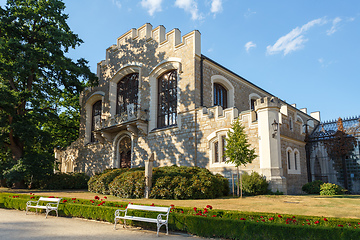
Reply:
x=346 y=206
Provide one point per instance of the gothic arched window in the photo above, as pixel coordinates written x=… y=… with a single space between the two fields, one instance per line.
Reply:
x=167 y=99
x=96 y=118
x=127 y=92
x=220 y=96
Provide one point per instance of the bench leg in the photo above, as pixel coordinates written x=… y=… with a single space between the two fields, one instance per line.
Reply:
x=167 y=230
x=26 y=210
x=115 y=224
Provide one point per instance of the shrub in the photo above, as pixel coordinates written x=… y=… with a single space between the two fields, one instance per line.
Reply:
x=187 y=183
x=331 y=189
x=312 y=187
x=130 y=184
x=254 y=184
x=65 y=181
x=100 y=184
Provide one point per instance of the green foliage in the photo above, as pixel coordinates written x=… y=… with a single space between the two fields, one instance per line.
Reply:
x=130 y=184
x=187 y=183
x=331 y=189
x=237 y=147
x=312 y=187
x=254 y=184
x=100 y=183
x=65 y=181
x=37 y=83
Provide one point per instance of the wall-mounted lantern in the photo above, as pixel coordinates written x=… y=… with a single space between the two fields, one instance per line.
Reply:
x=275 y=127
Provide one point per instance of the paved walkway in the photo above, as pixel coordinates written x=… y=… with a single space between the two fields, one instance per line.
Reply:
x=15 y=224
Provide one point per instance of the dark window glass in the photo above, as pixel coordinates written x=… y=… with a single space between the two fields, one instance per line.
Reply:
x=96 y=118
x=223 y=141
x=220 y=96
x=295 y=158
x=127 y=92
x=167 y=99
x=216 y=153
x=288 y=157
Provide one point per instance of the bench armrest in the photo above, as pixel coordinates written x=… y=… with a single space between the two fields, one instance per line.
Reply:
x=159 y=217
x=117 y=212
x=30 y=202
x=52 y=205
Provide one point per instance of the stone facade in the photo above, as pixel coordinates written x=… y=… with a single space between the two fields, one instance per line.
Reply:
x=197 y=138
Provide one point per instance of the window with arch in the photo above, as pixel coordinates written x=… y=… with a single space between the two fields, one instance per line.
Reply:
x=96 y=118
x=220 y=96
x=127 y=93
x=167 y=99
x=291 y=124
x=293 y=161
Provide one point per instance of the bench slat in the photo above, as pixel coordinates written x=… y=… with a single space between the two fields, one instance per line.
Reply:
x=148 y=208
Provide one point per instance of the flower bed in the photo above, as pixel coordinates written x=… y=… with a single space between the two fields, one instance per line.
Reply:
x=209 y=222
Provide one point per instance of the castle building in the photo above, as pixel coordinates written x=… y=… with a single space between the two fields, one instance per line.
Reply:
x=159 y=98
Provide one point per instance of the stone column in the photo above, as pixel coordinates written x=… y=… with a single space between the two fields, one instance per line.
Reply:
x=149 y=164
x=268 y=110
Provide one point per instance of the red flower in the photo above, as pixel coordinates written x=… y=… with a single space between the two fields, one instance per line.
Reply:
x=182 y=211
x=263 y=220
x=316 y=222
x=293 y=217
x=308 y=223
x=121 y=206
x=242 y=218
x=271 y=218
x=172 y=206
x=195 y=209
x=213 y=215
x=105 y=197
x=32 y=197
x=64 y=201
x=325 y=220
x=51 y=197
x=152 y=205
x=91 y=201
x=205 y=210
x=287 y=223
x=74 y=201
x=340 y=225
x=261 y=217
x=307 y=220
x=279 y=216
x=31 y=193
x=96 y=198
x=209 y=206
x=99 y=204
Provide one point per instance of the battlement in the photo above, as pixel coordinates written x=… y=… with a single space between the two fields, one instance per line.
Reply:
x=159 y=35
x=267 y=102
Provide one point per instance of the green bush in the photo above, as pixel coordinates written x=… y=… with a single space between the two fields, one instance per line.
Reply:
x=130 y=184
x=312 y=187
x=101 y=185
x=254 y=184
x=65 y=181
x=175 y=182
x=331 y=189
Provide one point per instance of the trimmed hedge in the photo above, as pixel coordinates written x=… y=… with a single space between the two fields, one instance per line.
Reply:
x=168 y=183
x=312 y=187
x=254 y=184
x=226 y=224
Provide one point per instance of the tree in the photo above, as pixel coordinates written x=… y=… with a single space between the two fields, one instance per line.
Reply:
x=238 y=149
x=36 y=78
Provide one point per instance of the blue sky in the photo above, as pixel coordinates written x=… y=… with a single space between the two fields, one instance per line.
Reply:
x=305 y=52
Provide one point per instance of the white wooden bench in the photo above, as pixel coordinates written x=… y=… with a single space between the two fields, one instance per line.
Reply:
x=52 y=204
x=162 y=219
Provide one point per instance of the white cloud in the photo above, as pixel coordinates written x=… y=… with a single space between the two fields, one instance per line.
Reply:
x=249 y=13
x=152 y=6
x=249 y=45
x=295 y=39
x=189 y=6
x=334 y=27
x=117 y=3
x=216 y=6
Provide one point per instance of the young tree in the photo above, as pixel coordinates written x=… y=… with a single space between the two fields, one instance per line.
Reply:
x=35 y=77
x=238 y=149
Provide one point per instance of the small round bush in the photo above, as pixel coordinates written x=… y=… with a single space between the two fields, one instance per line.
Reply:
x=130 y=184
x=101 y=185
x=331 y=189
x=65 y=181
x=312 y=187
x=254 y=184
